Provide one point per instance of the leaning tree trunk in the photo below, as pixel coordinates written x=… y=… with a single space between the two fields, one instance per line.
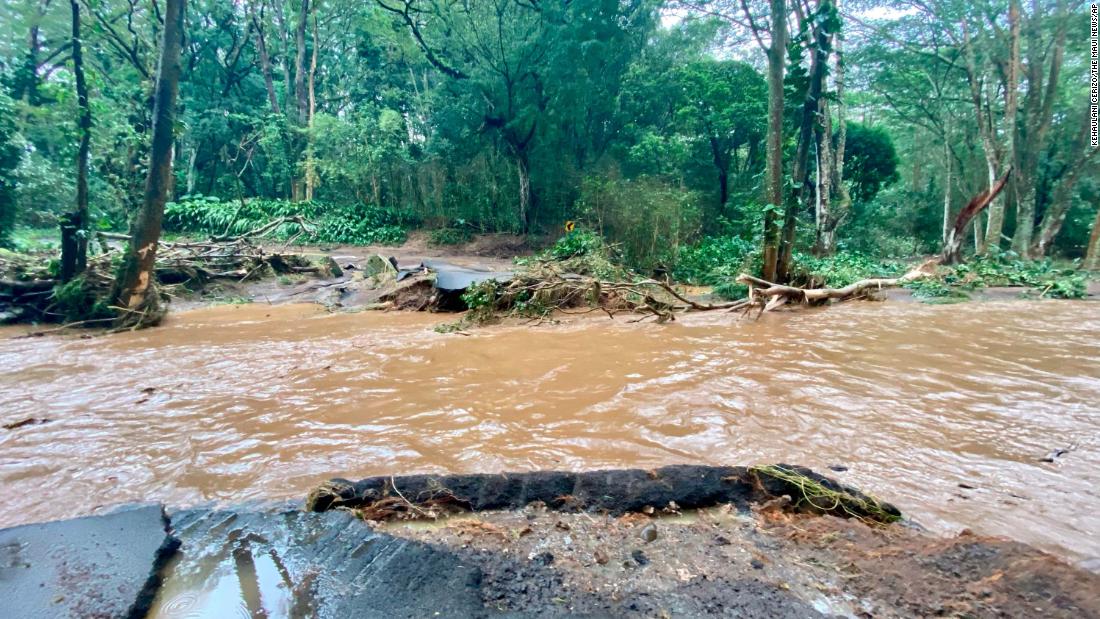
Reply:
x=134 y=293
x=952 y=249
x=74 y=236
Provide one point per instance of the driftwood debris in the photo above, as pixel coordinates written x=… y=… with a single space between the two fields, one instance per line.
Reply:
x=769 y=296
x=34 y=297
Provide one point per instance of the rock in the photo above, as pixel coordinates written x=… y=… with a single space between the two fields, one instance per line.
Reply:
x=98 y=566
x=544 y=558
x=639 y=557
x=649 y=533
x=839 y=468
x=383 y=268
x=757 y=564
x=601 y=556
x=332 y=267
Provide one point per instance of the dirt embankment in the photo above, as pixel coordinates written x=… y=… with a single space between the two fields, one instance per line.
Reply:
x=763 y=563
x=623 y=543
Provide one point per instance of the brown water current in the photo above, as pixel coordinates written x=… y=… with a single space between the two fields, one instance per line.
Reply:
x=263 y=402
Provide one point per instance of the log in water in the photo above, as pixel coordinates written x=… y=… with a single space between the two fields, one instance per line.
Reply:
x=945 y=413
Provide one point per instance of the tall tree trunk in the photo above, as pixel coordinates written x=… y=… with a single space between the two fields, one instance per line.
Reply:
x=265 y=59
x=947 y=183
x=301 y=98
x=523 y=175
x=835 y=211
x=133 y=290
x=1037 y=121
x=801 y=169
x=825 y=219
x=777 y=56
x=301 y=94
x=74 y=254
x=1062 y=198
x=995 y=221
x=311 y=163
x=1025 y=208
x=1092 y=253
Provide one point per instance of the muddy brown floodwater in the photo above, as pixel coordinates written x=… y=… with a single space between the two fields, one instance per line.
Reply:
x=943 y=410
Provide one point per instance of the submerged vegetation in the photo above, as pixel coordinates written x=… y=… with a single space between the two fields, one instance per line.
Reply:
x=815 y=493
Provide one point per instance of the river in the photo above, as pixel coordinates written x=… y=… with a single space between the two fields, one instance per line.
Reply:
x=243 y=402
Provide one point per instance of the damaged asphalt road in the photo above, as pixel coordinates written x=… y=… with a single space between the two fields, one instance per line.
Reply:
x=739 y=554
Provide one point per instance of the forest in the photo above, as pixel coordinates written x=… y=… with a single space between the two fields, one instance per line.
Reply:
x=699 y=138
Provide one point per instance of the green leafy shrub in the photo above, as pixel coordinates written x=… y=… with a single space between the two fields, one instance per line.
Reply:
x=1043 y=278
x=647 y=218
x=450 y=236
x=1008 y=269
x=714 y=261
x=359 y=224
x=78 y=300
x=840 y=269
x=582 y=252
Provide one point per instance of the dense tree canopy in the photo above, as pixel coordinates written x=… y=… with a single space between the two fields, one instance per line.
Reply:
x=645 y=120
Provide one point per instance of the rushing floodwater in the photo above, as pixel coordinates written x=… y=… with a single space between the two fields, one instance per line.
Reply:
x=251 y=402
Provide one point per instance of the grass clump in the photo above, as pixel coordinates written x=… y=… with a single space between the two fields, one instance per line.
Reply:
x=819 y=494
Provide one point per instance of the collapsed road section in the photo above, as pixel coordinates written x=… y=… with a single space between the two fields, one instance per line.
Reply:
x=674 y=541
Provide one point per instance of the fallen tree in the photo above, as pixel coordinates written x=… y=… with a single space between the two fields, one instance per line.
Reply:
x=952 y=245
x=36 y=295
x=768 y=295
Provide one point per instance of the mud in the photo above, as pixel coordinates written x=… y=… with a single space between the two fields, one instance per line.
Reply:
x=765 y=563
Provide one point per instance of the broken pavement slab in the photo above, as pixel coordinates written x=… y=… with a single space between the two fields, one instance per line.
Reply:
x=96 y=566
x=454 y=278
x=287 y=562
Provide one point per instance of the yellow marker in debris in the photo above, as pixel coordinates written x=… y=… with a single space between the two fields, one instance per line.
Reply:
x=569 y=225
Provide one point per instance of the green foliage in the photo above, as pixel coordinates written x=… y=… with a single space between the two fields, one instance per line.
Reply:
x=582 y=252
x=77 y=300
x=841 y=269
x=936 y=290
x=10 y=156
x=577 y=243
x=455 y=235
x=636 y=128
x=1042 y=278
x=646 y=218
x=355 y=224
x=871 y=162
x=715 y=260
